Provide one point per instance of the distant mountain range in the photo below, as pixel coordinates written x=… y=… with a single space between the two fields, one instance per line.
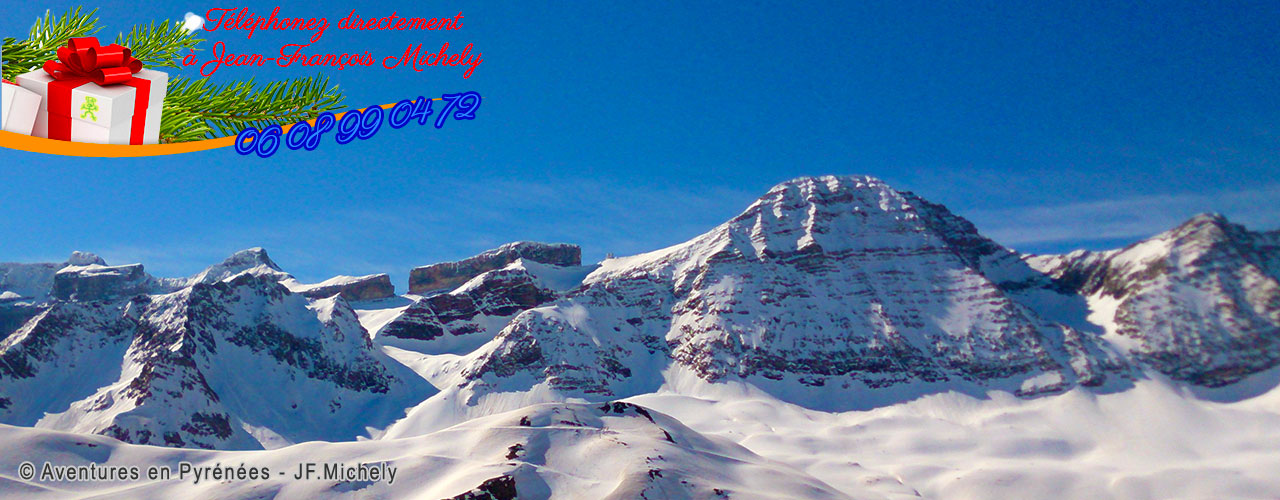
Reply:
x=831 y=293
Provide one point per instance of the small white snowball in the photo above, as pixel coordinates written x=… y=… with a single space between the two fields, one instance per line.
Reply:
x=192 y=22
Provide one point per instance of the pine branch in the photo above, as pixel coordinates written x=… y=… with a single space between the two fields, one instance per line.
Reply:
x=158 y=45
x=182 y=124
x=43 y=40
x=195 y=109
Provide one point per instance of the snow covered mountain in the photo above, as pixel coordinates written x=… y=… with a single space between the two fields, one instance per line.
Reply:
x=837 y=339
x=1199 y=303
x=231 y=359
x=823 y=290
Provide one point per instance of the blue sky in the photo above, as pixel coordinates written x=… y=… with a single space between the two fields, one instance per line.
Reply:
x=626 y=129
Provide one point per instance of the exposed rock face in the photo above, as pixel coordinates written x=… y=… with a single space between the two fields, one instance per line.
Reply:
x=498 y=293
x=832 y=281
x=449 y=275
x=196 y=367
x=1200 y=303
x=98 y=282
x=35 y=281
x=371 y=287
x=498 y=488
x=28 y=280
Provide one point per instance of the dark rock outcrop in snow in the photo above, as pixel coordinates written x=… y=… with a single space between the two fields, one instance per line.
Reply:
x=498 y=488
x=371 y=287
x=98 y=282
x=35 y=281
x=496 y=293
x=449 y=275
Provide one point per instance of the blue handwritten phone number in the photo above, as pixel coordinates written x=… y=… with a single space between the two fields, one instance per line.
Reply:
x=356 y=124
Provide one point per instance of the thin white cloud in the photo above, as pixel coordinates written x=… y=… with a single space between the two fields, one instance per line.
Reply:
x=1129 y=218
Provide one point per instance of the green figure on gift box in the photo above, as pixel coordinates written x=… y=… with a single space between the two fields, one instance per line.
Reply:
x=89 y=107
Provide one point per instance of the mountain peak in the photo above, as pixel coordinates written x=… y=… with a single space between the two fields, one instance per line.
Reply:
x=253 y=259
x=826 y=214
x=825 y=190
x=1202 y=220
x=1203 y=227
x=79 y=258
x=1204 y=236
x=1207 y=217
x=527 y=245
x=831 y=183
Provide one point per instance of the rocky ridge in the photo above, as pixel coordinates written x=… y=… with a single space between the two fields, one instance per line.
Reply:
x=449 y=275
x=35 y=281
x=1199 y=303
x=233 y=363
x=353 y=288
x=471 y=308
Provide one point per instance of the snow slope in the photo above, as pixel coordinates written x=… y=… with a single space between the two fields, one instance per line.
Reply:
x=1152 y=441
x=615 y=450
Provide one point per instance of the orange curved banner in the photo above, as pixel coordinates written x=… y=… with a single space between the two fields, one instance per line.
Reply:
x=67 y=148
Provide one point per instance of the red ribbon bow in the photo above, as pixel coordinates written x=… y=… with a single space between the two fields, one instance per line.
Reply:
x=85 y=58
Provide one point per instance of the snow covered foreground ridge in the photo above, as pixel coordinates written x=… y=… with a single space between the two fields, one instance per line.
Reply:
x=569 y=450
x=830 y=293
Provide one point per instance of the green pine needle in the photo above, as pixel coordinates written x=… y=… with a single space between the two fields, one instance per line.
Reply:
x=195 y=109
x=158 y=45
x=49 y=33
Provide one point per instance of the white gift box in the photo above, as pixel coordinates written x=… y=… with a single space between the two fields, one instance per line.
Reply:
x=98 y=114
x=20 y=107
